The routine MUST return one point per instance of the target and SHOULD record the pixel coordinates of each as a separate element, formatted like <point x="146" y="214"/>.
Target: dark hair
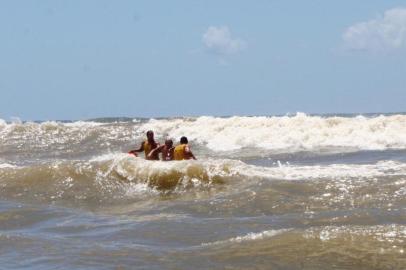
<point x="150" y="132"/>
<point x="183" y="140"/>
<point x="168" y="141"/>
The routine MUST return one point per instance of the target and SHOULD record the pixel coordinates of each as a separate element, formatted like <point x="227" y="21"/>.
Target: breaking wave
<point x="278" y="133"/>
<point x="117" y="176"/>
<point x="300" y="132"/>
<point x="111" y="177"/>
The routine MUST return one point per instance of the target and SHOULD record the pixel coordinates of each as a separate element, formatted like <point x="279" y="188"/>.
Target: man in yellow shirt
<point x="147" y="146"/>
<point x="182" y="151"/>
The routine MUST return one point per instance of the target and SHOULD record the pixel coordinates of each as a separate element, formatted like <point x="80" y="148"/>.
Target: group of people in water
<point x="168" y="152"/>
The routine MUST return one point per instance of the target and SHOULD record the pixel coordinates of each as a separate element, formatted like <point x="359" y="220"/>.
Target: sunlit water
<point x="293" y="192"/>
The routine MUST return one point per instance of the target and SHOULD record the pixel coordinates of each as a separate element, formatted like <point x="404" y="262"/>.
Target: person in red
<point x="147" y="146"/>
<point x="166" y="150"/>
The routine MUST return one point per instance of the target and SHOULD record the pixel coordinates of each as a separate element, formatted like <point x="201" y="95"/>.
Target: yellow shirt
<point x="179" y="152"/>
<point x="147" y="148"/>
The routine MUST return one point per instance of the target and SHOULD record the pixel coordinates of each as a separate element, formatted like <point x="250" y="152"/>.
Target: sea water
<point x="278" y="192"/>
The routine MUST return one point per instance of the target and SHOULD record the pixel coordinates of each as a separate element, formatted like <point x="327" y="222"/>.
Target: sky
<point x="77" y="60"/>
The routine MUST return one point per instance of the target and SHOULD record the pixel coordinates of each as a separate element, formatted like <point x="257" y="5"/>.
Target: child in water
<point x="166" y="150"/>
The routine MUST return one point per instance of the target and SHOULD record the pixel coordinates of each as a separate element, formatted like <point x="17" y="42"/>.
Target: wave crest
<point x="300" y="132"/>
<point x="115" y="177"/>
<point x="111" y="177"/>
<point x="240" y="135"/>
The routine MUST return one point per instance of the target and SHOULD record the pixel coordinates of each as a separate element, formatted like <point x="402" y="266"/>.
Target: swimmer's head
<point x="150" y="135"/>
<point x="169" y="143"/>
<point x="183" y="140"/>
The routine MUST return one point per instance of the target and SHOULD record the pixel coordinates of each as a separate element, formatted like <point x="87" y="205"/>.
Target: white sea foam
<point x="207" y="170"/>
<point x="392" y="233"/>
<point x="248" y="237"/>
<point x="32" y="126"/>
<point x="7" y="165"/>
<point x="122" y="175"/>
<point x="62" y="136"/>
<point x="268" y="134"/>
<point x="334" y="171"/>
<point x="300" y="132"/>
<point x="83" y="124"/>
<point x="138" y="168"/>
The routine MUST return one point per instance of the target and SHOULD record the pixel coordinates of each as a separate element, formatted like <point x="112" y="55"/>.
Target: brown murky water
<point x="70" y="198"/>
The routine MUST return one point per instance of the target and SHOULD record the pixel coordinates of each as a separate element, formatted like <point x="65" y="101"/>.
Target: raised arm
<point x="138" y="150"/>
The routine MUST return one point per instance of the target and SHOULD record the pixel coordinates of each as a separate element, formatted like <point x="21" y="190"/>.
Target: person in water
<point x="166" y="150"/>
<point x="147" y="146"/>
<point x="182" y="151"/>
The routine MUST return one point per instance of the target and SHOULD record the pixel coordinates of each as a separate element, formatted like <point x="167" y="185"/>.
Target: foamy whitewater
<point x="279" y="192"/>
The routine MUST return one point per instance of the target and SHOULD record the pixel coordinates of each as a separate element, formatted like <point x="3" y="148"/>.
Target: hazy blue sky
<point x="85" y="59"/>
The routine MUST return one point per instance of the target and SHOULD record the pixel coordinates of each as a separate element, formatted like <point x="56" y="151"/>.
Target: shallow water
<point x="299" y="192"/>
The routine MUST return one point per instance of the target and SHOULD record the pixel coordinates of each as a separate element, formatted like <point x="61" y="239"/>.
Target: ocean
<point x="266" y="192"/>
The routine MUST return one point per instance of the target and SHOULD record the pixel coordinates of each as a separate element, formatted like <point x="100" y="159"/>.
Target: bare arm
<point x="137" y="150"/>
<point x="189" y="153"/>
<point x="155" y="151"/>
